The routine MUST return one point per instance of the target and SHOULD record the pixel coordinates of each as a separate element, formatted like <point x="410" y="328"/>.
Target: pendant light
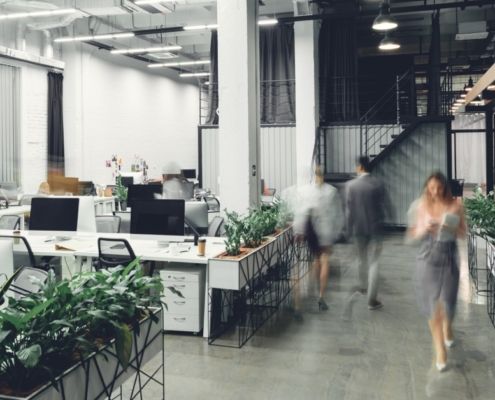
<point x="384" y="21"/>
<point x="470" y="85"/>
<point x="389" y="43"/>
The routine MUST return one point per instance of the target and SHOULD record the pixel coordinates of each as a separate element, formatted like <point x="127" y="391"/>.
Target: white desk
<point x="16" y="210"/>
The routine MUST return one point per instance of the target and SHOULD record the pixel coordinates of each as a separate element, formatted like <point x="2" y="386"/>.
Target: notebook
<point x="451" y="220"/>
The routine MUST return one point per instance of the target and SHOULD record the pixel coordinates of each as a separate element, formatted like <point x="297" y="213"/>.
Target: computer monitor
<point x="189" y="173"/>
<point x="158" y="217"/>
<point x="86" y="220"/>
<point x="54" y="214"/>
<point x="137" y="177"/>
<point x="127" y="180"/>
<point x="196" y="215"/>
<point x="86" y="188"/>
<point x="142" y="192"/>
<point x="9" y="189"/>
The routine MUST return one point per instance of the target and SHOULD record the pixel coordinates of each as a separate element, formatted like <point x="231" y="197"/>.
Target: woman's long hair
<point x="447" y="192"/>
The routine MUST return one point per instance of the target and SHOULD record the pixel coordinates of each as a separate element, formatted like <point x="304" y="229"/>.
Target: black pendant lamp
<point x="470" y="85"/>
<point x="389" y="43"/>
<point x="384" y="21"/>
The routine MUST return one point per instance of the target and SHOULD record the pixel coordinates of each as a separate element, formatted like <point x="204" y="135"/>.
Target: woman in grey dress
<point x="439" y="221"/>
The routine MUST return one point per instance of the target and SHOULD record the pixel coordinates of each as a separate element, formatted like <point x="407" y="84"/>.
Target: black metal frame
<point x="490" y="281"/>
<point x="236" y="315"/>
<point x="473" y="257"/>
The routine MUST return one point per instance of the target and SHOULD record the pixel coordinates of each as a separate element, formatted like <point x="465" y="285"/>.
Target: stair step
<point x="382" y="146"/>
<point x="395" y="136"/>
<point x="372" y="155"/>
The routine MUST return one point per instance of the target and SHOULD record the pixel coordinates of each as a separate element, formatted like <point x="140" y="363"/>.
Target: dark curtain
<point x="434" y="68"/>
<point x="212" y="117"/>
<point x="56" y="155"/>
<point x="277" y="75"/>
<point x="338" y="70"/>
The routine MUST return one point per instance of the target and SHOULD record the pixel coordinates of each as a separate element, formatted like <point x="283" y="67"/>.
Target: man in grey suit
<point x="365" y="213"/>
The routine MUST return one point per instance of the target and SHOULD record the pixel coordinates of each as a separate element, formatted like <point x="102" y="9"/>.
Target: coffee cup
<point x="173" y="248"/>
<point x="16" y="240"/>
<point x="201" y="246"/>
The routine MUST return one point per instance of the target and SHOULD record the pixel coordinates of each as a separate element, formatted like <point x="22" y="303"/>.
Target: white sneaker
<point x="448" y="343"/>
<point x="441" y="367"/>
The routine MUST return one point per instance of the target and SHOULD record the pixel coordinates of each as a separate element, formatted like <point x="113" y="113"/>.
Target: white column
<point x="307" y="118"/>
<point x="238" y="73"/>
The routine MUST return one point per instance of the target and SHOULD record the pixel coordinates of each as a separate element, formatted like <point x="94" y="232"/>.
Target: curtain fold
<point x="9" y="124"/>
<point x="434" y="68"/>
<point x="56" y="154"/>
<point x="277" y="75"/>
<point x="337" y="50"/>
<point x="212" y="116"/>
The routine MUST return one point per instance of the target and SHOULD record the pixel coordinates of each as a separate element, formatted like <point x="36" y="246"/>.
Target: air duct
<point x="20" y="35"/>
<point x="47" y="44"/>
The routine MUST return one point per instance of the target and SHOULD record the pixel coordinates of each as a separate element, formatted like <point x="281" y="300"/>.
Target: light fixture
<point x="186" y="75"/>
<point x="140" y="2"/>
<point x="95" y="37"/>
<point x="491" y="87"/>
<point x="460" y="100"/>
<point x="200" y="27"/>
<point x="147" y="50"/>
<point x="463" y="95"/>
<point x="470" y="85"/>
<point x="271" y="21"/>
<point x="38" y="13"/>
<point x="384" y="21"/>
<point x="389" y="43"/>
<point x="179" y="64"/>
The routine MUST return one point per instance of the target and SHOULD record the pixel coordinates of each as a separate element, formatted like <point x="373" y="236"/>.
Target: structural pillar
<point x="307" y="108"/>
<point x="239" y="104"/>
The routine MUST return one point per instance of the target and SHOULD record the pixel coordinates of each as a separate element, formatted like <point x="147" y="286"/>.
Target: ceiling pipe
<point x="47" y="44"/>
<point x="20" y="35"/>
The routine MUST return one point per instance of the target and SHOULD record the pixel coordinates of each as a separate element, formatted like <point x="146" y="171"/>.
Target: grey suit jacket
<point x="364" y="206"/>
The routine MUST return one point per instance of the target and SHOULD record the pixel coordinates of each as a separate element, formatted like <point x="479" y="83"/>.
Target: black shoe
<point x="322" y="304"/>
<point x="374" y="305"/>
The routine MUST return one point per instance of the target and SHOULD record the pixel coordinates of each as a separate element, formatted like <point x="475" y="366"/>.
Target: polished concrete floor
<point x="347" y="352"/>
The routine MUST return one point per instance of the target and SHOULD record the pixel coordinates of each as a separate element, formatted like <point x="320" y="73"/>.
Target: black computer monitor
<point x="196" y="214"/>
<point x="54" y="214"/>
<point x="158" y="217"/>
<point x="189" y="173"/>
<point x="127" y="180"/>
<point x="142" y="192"/>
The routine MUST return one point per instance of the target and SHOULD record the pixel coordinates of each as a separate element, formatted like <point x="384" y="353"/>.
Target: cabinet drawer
<point x="182" y="322"/>
<point x="178" y="276"/>
<point x="189" y="290"/>
<point x="178" y="305"/>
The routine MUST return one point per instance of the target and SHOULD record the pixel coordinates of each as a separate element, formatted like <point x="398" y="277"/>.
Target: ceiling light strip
<point x="179" y="64"/>
<point x="146" y="50"/>
<point x="187" y="75"/>
<point x="95" y="37"/>
<point x="38" y="13"/>
<point x="140" y="2"/>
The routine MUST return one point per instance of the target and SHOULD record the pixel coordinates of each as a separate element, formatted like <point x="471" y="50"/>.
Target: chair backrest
<point x="187" y="190"/>
<point x="214" y="227"/>
<point x="271" y="192"/>
<point x="114" y="252"/>
<point x="23" y="286"/>
<point x="10" y="222"/>
<point x="213" y="203"/>
<point x="26" y="199"/>
<point x="125" y="221"/>
<point x="23" y="254"/>
<point x="107" y="224"/>
<point x="457" y="187"/>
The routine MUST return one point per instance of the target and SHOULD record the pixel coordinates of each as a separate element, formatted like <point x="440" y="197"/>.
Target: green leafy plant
<point x="254" y="229"/>
<point x="120" y="191"/>
<point x="480" y="214"/>
<point x="47" y="332"/>
<point x="233" y="228"/>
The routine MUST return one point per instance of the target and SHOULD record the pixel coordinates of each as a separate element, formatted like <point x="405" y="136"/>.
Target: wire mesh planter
<point x="490" y="281"/>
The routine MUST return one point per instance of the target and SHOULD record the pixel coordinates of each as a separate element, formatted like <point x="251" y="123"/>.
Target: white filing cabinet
<point x="184" y="313"/>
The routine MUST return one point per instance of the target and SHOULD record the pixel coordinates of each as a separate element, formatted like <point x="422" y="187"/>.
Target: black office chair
<point x="457" y="187"/>
<point x="107" y="224"/>
<point x="26" y="199"/>
<point x="114" y="252"/>
<point x="125" y="221"/>
<point x="271" y="192"/>
<point x="214" y="226"/>
<point x="10" y="222"/>
<point x="212" y="203"/>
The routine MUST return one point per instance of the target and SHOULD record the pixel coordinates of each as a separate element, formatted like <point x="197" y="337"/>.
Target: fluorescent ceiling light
<point x="38" y="13"/>
<point x="460" y="100"/>
<point x="140" y="2"/>
<point x="463" y="94"/>
<point x="272" y="21"/>
<point x="491" y="87"/>
<point x="146" y="50"/>
<point x="195" y="74"/>
<point x="178" y="64"/>
<point x="95" y="37"/>
<point x="199" y="27"/>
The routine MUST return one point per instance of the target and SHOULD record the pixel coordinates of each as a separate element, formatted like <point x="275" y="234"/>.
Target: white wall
<point x="116" y="105"/>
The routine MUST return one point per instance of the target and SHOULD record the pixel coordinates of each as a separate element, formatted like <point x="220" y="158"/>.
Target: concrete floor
<point x="383" y="354"/>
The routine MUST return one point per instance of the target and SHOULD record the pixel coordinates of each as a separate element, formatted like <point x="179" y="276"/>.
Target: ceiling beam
<point x="481" y="85"/>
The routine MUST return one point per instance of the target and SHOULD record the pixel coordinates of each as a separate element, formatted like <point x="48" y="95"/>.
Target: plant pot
<point x="123" y="205"/>
<point x="94" y="376"/>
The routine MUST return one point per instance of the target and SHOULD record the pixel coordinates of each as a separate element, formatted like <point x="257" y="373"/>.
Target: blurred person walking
<point x="319" y="219"/>
<point x="365" y="213"/>
<point x="438" y="221"/>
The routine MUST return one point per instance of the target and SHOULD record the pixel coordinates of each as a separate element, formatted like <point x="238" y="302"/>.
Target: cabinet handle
<point x="179" y="286"/>
<point x="180" y="303"/>
<point x="180" y="319"/>
<point x="179" y="278"/>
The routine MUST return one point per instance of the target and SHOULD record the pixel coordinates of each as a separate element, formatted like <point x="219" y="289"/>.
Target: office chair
<point x="457" y="187"/>
<point x="107" y="224"/>
<point x="214" y="226"/>
<point x="212" y="203"/>
<point x="271" y="192"/>
<point x="125" y="221"/>
<point x="26" y="199"/>
<point x="10" y="222"/>
<point x="114" y="252"/>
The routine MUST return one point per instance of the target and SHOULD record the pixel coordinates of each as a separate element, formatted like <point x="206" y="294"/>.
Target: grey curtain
<point x="9" y="124"/>
<point x="277" y="75"/>
<point x="337" y="51"/>
<point x="212" y="117"/>
<point x="56" y="154"/>
<point x="434" y="68"/>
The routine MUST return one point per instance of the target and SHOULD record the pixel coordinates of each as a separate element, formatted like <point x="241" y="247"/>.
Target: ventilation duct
<point x="47" y="44"/>
<point x="20" y="35"/>
<point x="472" y="30"/>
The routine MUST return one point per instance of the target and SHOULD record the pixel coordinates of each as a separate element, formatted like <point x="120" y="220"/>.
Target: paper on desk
<point x="71" y="245"/>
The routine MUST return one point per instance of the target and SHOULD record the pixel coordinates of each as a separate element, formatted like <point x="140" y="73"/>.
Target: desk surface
<point x="15" y="210"/>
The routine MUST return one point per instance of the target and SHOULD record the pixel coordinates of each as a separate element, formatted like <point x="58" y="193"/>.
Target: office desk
<point x="16" y="210"/>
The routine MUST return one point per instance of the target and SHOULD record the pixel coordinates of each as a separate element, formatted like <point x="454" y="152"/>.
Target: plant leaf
<point x="36" y="310"/>
<point x="131" y="266"/>
<point x="123" y="345"/>
<point x="29" y="356"/>
<point x="13" y="319"/>
<point x="3" y="335"/>
<point x="7" y="284"/>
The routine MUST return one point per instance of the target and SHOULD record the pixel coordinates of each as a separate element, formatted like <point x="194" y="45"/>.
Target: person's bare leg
<point x="324" y="273"/>
<point x="447" y="329"/>
<point x="436" y="326"/>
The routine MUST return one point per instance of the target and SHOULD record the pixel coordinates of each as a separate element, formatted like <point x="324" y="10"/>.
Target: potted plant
<point x="56" y="335"/>
<point x="121" y="194"/>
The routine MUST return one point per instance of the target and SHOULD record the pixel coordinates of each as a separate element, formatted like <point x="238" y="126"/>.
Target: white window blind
<point x="9" y="124"/>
